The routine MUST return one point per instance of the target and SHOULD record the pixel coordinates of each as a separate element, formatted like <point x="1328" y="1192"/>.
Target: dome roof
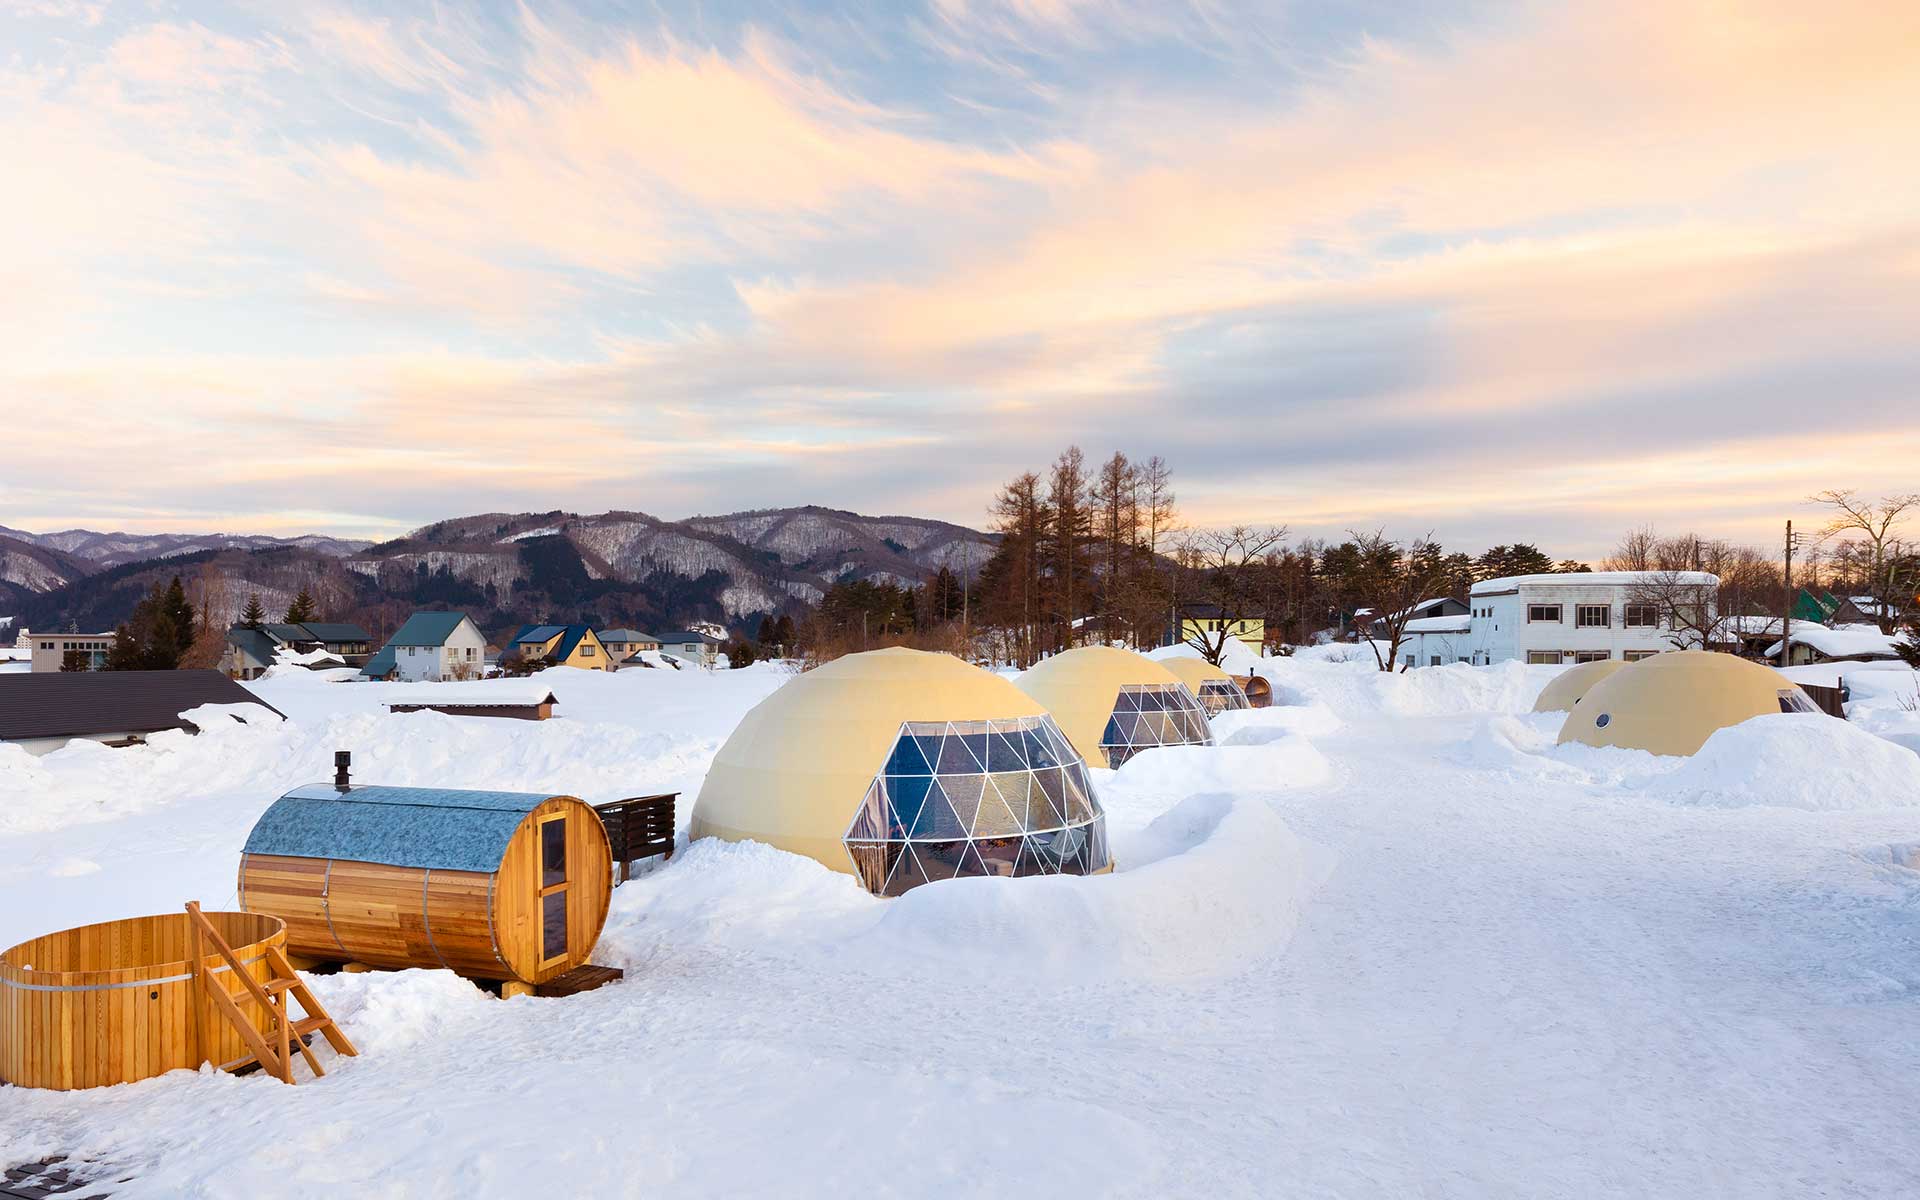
<point x="1673" y="702"/>
<point x="1193" y="671"/>
<point x="1084" y="688"/>
<point x="826" y="763"/>
<point x="1571" y="684"/>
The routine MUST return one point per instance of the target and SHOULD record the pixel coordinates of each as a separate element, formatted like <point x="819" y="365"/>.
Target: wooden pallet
<point x="583" y="978"/>
<point x="273" y="1047"/>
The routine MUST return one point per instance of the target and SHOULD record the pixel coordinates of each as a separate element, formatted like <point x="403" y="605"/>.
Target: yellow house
<point x="561" y="646"/>
<point x="1204" y="625"/>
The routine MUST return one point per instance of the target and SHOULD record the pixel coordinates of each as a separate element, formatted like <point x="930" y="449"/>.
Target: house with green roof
<point x="431" y="645"/>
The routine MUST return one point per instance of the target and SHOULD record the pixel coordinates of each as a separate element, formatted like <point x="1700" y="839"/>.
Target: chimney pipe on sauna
<point x="342" y="759"/>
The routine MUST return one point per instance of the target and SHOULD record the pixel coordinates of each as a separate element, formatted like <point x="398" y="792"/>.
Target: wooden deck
<point x="583" y="978"/>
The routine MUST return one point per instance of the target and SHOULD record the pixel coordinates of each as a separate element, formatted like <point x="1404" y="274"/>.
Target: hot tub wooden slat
<point x="72" y="1017"/>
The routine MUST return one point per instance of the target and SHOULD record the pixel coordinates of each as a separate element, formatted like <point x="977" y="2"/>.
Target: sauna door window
<point x="553" y="888"/>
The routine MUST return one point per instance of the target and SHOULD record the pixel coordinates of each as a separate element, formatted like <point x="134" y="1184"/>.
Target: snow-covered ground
<point x="1387" y="939"/>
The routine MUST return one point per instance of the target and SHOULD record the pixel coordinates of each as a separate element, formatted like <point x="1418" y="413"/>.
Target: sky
<point x="1495" y="271"/>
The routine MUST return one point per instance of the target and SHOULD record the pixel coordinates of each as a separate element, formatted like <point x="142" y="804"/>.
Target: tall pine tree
<point x="255" y="616"/>
<point x="301" y="610"/>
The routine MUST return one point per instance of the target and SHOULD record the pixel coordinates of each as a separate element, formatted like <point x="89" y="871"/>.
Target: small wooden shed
<point x="524" y="706"/>
<point x="509" y="886"/>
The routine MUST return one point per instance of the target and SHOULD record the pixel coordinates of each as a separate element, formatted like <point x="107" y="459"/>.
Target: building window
<point x="1641" y="616"/>
<point x="1543" y="612"/>
<point x="1543" y="658"/>
<point x="1587" y="656"/>
<point x="1433" y="660"/>
<point x="1637" y="655"/>
<point x="1593" y="616"/>
<point x="586" y="652"/>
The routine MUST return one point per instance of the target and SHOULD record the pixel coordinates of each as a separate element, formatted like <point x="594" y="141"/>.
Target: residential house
<point x="560" y="646"/>
<point x="1439" y="606"/>
<point x="1560" y="618"/>
<point x="691" y="645"/>
<point x="1825" y="608"/>
<point x="50" y="650"/>
<point x="42" y="713"/>
<point x="252" y="649"/>
<point x="623" y="644"/>
<point x="1203" y="623"/>
<point x="431" y="645"/>
<point x="1856" y="643"/>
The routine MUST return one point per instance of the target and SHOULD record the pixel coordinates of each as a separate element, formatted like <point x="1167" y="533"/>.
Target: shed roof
<point x="427" y="629"/>
<point x="78" y="703"/>
<point x="443" y="829"/>
<point x="537" y="633"/>
<point x="253" y="642"/>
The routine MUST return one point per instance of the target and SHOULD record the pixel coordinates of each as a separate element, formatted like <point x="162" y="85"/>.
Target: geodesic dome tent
<point x="1216" y="690"/>
<point x="1673" y="702"/>
<point x="902" y="767"/>
<point x="1569" y="685"/>
<point x="1113" y="703"/>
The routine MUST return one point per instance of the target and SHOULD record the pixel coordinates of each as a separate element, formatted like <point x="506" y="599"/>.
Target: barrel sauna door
<point x="556" y="886"/>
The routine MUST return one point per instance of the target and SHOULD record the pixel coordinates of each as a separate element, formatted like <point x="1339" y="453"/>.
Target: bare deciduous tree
<point x="1225" y="576"/>
<point x="1394" y="580"/>
<point x="1875" y="529"/>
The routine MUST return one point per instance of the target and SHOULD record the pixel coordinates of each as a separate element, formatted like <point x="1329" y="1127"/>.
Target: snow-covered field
<point x="1386" y="940"/>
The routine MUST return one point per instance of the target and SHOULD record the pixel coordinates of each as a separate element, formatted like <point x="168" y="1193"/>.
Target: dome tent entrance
<point x="902" y="767"/>
<point x="1113" y="703"/>
<point x="1673" y="702"/>
<point x="1216" y="690"/>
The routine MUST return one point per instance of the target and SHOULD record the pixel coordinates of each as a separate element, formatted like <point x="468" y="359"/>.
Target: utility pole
<point x="1786" y="618"/>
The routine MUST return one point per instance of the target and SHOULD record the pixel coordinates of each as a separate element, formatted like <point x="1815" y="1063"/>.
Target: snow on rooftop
<point x="1456" y="624"/>
<point x="1844" y="643"/>
<point x="1582" y="578"/>
<point x="469" y="694"/>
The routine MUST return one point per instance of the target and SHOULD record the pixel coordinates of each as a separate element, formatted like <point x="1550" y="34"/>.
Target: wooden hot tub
<point x="116" y="1002"/>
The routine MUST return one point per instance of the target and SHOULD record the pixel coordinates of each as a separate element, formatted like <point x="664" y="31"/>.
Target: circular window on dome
<point x="957" y="798"/>
<point x="1603" y="720"/>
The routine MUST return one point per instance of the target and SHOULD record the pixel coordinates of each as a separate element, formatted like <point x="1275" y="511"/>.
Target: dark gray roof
<point x="537" y="633"/>
<point x="287" y="632"/>
<point x="427" y="629"/>
<point x="78" y="703"/>
<point x="379" y="664"/>
<point x="688" y="635"/>
<point x="623" y="636"/>
<point x="254" y="641"/>
<point x="440" y="828"/>
<point x="338" y="631"/>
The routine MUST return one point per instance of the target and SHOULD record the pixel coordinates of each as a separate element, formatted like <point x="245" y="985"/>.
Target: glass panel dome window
<point x="1146" y="715"/>
<point x="1221" y="695"/>
<point x="957" y="798"/>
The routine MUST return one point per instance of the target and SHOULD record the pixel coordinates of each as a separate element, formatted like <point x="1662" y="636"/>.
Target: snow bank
<point x="1236" y="657"/>
<point x="1359" y="688"/>
<point x="1797" y="761"/>
<point x="1254" y="726"/>
<point x="1277" y="762"/>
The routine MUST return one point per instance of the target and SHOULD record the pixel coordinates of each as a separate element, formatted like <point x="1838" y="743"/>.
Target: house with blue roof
<point x="431" y="645"/>
<point x="542" y="646"/>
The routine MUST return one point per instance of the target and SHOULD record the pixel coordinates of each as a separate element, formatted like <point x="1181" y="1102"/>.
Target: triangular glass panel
<point x="1042" y="747"/>
<point x="1115" y="734"/>
<point x="996" y="818"/>
<point x="869" y="863"/>
<point x="906" y="796"/>
<point x="1004" y="755"/>
<point x="907" y="759"/>
<point x="1043" y="802"/>
<point x="936" y="819"/>
<point x="954" y="759"/>
<point x="963" y="792"/>
<point x="997" y="855"/>
<point x="906" y="873"/>
<point x="939" y="860"/>
<point x="869" y="821"/>
<point x="970" y="862"/>
<point x="1026" y="863"/>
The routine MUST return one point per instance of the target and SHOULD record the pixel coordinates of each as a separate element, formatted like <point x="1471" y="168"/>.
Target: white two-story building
<point x="1570" y="618"/>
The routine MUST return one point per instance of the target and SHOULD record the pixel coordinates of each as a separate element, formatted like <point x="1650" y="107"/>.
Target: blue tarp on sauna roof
<point x="441" y="828"/>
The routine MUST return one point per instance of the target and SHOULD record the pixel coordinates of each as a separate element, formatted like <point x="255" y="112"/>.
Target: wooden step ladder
<point x="272" y="1048"/>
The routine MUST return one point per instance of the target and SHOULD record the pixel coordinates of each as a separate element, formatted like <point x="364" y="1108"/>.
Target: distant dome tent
<point x="1569" y="685"/>
<point x="1672" y="703"/>
<point x="1113" y="703"/>
<point x="1215" y="689"/>
<point x="900" y="768"/>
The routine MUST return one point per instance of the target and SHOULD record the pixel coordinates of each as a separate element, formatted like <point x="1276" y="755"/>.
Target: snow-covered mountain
<point x="29" y="569"/>
<point x="116" y="549"/>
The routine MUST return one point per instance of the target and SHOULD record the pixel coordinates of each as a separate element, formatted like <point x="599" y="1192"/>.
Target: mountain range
<point x="505" y="568"/>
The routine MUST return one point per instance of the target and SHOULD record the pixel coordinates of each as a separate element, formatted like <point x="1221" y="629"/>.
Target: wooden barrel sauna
<point x="1259" y="691"/>
<point x="508" y="886"/>
<point x="116" y="1002"/>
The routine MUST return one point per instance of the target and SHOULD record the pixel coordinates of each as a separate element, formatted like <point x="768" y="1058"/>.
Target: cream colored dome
<point x="1216" y="690"/>
<point x="1569" y="685"/>
<point x="1113" y="703"/>
<point x="1672" y="703"/>
<point x="900" y="767"/>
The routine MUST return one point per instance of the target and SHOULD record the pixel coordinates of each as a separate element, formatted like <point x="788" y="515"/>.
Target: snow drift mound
<point x="1794" y="760"/>
<point x="1352" y="689"/>
<point x="1258" y="726"/>
<point x="1215" y="883"/>
<point x="1263" y="764"/>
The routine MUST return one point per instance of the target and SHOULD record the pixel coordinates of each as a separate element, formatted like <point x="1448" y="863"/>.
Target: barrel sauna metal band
<point x="108" y="987"/>
<point x="326" y="906"/>
<point x="493" y="941"/>
<point x="426" y="918"/>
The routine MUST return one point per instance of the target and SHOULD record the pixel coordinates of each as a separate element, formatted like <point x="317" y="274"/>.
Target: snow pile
<point x="1355" y="689"/>
<point x="1236" y="657"/>
<point x="1254" y="726"/>
<point x="1796" y="760"/>
<point x="1273" y="763"/>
